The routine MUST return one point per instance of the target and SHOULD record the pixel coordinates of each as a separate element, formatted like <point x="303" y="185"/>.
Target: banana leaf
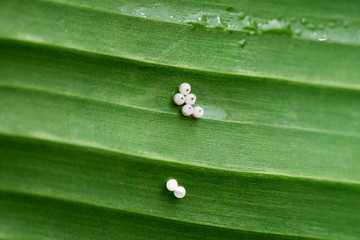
<point x="89" y="133"/>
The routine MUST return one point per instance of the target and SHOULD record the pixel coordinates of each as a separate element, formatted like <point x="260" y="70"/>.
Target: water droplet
<point x="276" y="26"/>
<point x="297" y="31"/>
<point x="241" y="15"/>
<point x="323" y="38"/>
<point x="242" y="42"/>
<point x="197" y="19"/>
<point x="249" y="24"/>
<point x="213" y="21"/>
<point x="314" y="35"/>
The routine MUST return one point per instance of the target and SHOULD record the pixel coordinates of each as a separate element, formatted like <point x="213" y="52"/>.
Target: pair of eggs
<point x="189" y="99"/>
<point x="179" y="191"/>
<point x="188" y="110"/>
<point x="180" y="99"/>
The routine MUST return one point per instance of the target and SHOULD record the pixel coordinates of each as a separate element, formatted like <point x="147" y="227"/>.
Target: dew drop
<point x="276" y="26"/>
<point x="241" y="15"/>
<point x="297" y="31"/>
<point x="249" y="24"/>
<point x="197" y="19"/>
<point x="323" y="38"/>
<point x="242" y="42"/>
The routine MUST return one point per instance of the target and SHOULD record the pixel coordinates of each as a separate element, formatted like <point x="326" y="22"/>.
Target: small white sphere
<point x="198" y="112"/>
<point x="185" y="88"/>
<point x="171" y="184"/>
<point x="187" y="110"/>
<point x="180" y="192"/>
<point x="190" y="99"/>
<point x="179" y="99"/>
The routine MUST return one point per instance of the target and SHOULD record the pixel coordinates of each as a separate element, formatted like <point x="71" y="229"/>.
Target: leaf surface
<point x="89" y="134"/>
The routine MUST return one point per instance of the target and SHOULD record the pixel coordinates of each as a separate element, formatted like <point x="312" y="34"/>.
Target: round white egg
<point x="180" y="192"/>
<point x="187" y="110"/>
<point x="179" y="99"/>
<point x="185" y="88"/>
<point x="198" y="112"/>
<point x="190" y="99"/>
<point x="171" y="184"/>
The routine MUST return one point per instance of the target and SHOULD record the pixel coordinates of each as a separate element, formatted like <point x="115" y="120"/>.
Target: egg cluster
<point x="172" y="185"/>
<point x="189" y="99"/>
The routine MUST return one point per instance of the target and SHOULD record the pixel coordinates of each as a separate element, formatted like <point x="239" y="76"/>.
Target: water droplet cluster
<point x="231" y="19"/>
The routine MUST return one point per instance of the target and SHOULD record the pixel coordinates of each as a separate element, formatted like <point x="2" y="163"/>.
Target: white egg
<point x="171" y="184"/>
<point x="179" y="99"/>
<point x="185" y="88"/>
<point x="180" y="192"/>
<point x="190" y="99"/>
<point x="198" y="112"/>
<point x="187" y="110"/>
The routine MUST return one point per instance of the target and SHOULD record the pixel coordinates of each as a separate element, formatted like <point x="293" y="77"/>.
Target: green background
<point x="89" y="134"/>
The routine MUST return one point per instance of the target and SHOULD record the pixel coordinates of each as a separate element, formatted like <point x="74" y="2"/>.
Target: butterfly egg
<point x="185" y="88"/>
<point x="198" y="112"/>
<point x="171" y="184"/>
<point x="180" y="192"/>
<point x="190" y="99"/>
<point x="187" y="110"/>
<point x="179" y="99"/>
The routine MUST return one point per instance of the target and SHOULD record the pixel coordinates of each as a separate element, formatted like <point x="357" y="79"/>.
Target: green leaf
<point x="89" y="134"/>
